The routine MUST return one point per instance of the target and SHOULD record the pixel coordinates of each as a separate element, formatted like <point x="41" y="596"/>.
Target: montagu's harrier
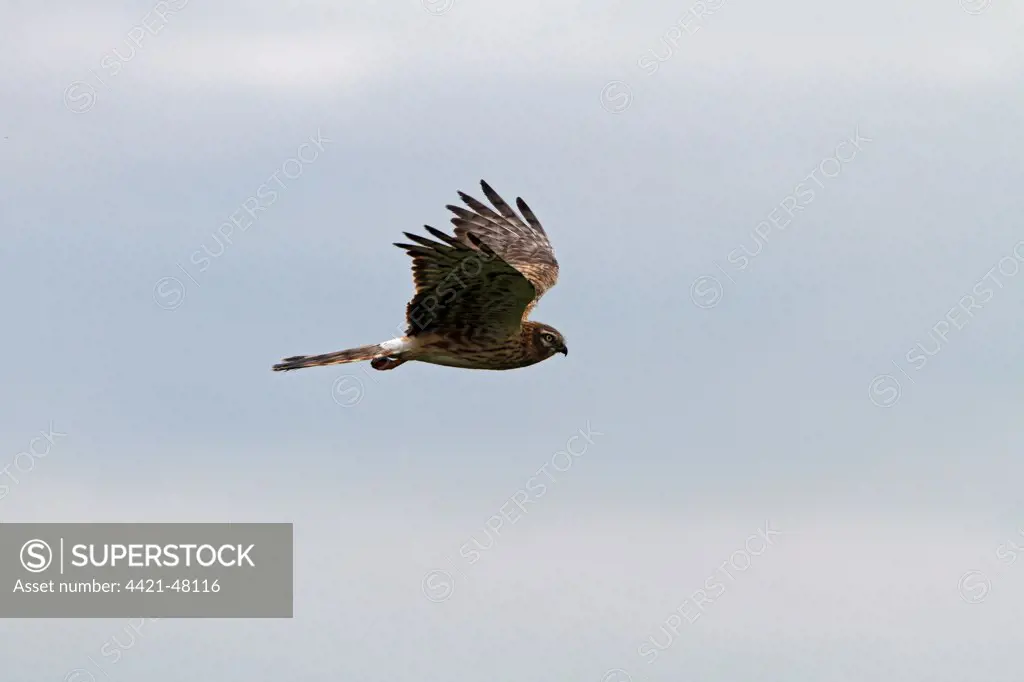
<point x="474" y="292"/>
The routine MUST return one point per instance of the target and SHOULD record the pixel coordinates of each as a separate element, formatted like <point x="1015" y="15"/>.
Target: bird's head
<point x="549" y="340"/>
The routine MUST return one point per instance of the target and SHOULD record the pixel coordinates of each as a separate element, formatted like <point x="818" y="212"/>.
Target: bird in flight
<point x="474" y="293"/>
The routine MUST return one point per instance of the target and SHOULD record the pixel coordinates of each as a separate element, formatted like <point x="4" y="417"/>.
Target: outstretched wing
<point x="522" y="244"/>
<point x="464" y="289"/>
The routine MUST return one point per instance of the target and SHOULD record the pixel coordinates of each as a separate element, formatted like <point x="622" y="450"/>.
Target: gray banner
<point x="145" y="570"/>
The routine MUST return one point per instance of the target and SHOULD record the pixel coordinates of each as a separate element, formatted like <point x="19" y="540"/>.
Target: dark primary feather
<point x="523" y="245"/>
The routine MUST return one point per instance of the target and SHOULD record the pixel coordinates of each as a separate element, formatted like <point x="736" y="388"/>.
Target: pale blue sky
<point x="712" y="420"/>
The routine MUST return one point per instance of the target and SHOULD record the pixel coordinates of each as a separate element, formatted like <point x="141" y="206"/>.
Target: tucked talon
<point x="385" y="362"/>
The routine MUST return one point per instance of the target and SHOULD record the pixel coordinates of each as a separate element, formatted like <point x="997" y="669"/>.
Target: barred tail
<point x="342" y="356"/>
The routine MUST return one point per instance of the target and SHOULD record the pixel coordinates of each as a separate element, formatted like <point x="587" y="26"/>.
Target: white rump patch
<point x="394" y="345"/>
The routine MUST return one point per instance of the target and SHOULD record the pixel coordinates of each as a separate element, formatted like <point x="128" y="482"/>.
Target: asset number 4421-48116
<point x="179" y="585"/>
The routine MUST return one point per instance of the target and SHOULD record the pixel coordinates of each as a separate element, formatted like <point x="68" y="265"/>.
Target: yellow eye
<point x="549" y="338"/>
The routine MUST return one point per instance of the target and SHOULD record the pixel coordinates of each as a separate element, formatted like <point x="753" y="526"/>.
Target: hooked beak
<point x="565" y="351"/>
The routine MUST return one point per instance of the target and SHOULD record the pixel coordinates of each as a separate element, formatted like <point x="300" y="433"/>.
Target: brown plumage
<point x="474" y="292"/>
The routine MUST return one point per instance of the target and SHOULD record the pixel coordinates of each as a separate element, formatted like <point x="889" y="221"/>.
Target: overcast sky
<point x="789" y="236"/>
